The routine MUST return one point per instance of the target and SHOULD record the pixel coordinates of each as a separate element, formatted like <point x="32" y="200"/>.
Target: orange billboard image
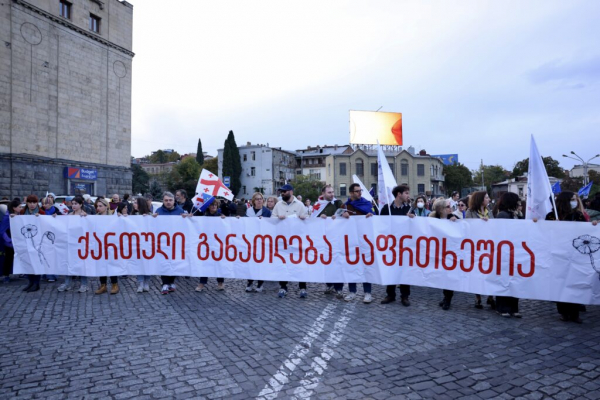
<point x="368" y="127"/>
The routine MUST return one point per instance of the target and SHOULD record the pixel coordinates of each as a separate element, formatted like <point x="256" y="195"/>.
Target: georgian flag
<point x="202" y="201"/>
<point x="210" y="184"/>
<point x="320" y="205"/>
<point x="64" y="210"/>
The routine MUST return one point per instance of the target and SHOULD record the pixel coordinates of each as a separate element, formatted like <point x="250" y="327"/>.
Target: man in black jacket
<point x="182" y="201"/>
<point x="400" y="206"/>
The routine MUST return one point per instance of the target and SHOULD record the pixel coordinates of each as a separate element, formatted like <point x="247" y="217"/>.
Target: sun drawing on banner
<point x="586" y="244"/>
<point x="29" y="232"/>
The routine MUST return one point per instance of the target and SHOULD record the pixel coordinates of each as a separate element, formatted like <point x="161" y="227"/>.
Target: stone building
<point x="421" y="172"/>
<point x="65" y="96"/>
<point x="311" y="161"/>
<point x="263" y="167"/>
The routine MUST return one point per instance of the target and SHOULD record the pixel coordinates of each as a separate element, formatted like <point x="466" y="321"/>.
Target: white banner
<point x="546" y="260"/>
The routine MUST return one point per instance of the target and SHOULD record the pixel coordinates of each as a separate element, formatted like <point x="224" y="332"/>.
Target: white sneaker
<point x="339" y="294"/>
<point x="64" y="287"/>
<point x="350" y="296"/>
<point x="367" y="298"/>
<point x="249" y="289"/>
<point x="83" y="289"/>
<point x="146" y="287"/>
<point x="172" y="287"/>
<point x="140" y="288"/>
<point x="259" y="289"/>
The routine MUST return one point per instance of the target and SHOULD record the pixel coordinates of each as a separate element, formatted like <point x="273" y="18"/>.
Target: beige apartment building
<point x="420" y="171"/>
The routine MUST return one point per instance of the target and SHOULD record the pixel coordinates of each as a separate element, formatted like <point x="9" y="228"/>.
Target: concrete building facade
<point x="65" y="96"/>
<point x="263" y="167"/>
<point x="421" y="172"/>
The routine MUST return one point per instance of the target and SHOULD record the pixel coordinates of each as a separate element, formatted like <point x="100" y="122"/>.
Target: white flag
<point x="385" y="180"/>
<point x="365" y="193"/>
<point x="210" y="184"/>
<point x="539" y="191"/>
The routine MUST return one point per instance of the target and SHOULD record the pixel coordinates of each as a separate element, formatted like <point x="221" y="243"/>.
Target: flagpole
<point x="387" y="192"/>
<point x="553" y="201"/>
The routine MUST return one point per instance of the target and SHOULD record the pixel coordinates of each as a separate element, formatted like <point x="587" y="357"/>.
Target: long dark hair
<point x="142" y="205"/>
<point x="563" y="205"/>
<point x="12" y="205"/>
<point x="509" y="202"/>
<point x="476" y="201"/>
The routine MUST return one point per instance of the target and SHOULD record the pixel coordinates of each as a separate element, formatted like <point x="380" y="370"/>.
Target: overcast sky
<point x="470" y="77"/>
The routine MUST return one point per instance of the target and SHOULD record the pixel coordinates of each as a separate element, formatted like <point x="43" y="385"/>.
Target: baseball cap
<point x="286" y="187"/>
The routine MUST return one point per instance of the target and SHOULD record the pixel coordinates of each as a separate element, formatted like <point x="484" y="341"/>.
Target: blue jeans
<point x="141" y="279"/>
<point x="69" y="280"/>
<point x="51" y="277"/>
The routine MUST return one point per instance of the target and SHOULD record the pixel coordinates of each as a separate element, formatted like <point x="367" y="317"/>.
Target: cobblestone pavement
<point x="236" y="345"/>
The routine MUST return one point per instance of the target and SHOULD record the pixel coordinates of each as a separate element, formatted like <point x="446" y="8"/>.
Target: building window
<point x="253" y="155"/>
<point x="374" y="171"/>
<point x="404" y="168"/>
<point x="94" y="23"/>
<point x="421" y="169"/>
<point x="299" y="172"/>
<point x="65" y="9"/>
<point x="252" y="171"/>
<point x="421" y="188"/>
<point x="315" y="174"/>
<point x="244" y="189"/>
<point x="342" y="189"/>
<point x="245" y="158"/>
<point x="328" y="169"/>
<point x="281" y="175"/>
<point x="360" y="167"/>
<point x="343" y="168"/>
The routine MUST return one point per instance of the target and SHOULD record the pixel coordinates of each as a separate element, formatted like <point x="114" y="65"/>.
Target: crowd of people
<point x="478" y="205"/>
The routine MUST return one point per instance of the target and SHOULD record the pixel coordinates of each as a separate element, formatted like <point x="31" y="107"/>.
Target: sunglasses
<point x="358" y="191"/>
<point x="462" y="205"/>
<point x="284" y="191"/>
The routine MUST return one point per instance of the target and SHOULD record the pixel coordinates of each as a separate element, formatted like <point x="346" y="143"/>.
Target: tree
<point x="307" y="187"/>
<point x="232" y="165"/>
<point x="160" y="157"/>
<point x="457" y="177"/>
<point x="552" y="168"/>
<point x="155" y="190"/>
<point x="184" y="176"/>
<point x="491" y="174"/>
<point x="140" y="179"/>
<point x="212" y="165"/>
<point x="199" y="153"/>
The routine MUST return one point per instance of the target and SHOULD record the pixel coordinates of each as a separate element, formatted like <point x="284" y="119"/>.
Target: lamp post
<point x="584" y="164"/>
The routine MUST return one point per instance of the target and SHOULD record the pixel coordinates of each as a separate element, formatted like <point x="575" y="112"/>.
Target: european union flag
<point x="556" y="188"/>
<point x="585" y="191"/>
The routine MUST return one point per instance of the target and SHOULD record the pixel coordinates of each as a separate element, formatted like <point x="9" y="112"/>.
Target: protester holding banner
<point x="260" y="211"/>
<point x="289" y="207"/>
<point x="400" y="206"/>
<point x="271" y="201"/>
<point x="508" y="209"/>
<point x="77" y="206"/>
<point x="581" y="208"/>
<point x="168" y="208"/>
<point x="355" y="206"/>
<point x="594" y="209"/>
<point x="327" y="206"/>
<point x="140" y="207"/>
<point x="478" y="209"/>
<point x="213" y="211"/>
<point x="49" y="209"/>
<point x="418" y="208"/>
<point x="567" y="208"/>
<point x="13" y="208"/>
<point x="461" y="212"/>
<point x="103" y="208"/>
<point x="443" y="210"/>
<point x="32" y="208"/>
<point x="123" y="209"/>
<point x="183" y="201"/>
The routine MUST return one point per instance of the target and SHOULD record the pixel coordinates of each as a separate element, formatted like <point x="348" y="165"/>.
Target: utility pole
<point x="584" y="164"/>
<point x="482" y="181"/>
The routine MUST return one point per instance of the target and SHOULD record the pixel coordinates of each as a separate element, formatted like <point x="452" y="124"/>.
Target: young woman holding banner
<point x="478" y="208"/>
<point x="77" y="206"/>
<point x="257" y="210"/>
<point x="140" y="207"/>
<point x="567" y="208"/>
<point x="102" y="208"/>
<point x="443" y="210"/>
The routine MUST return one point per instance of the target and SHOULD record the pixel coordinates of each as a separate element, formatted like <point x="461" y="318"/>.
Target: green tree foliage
<point x="140" y="180"/>
<point x="199" y="153"/>
<point x="491" y="174"/>
<point x="307" y="187"/>
<point x="232" y="165"/>
<point x="184" y="176"/>
<point x="457" y="177"/>
<point x="156" y="190"/>
<point x="212" y="165"/>
<point x="160" y="157"/>
<point x="552" y="168"/>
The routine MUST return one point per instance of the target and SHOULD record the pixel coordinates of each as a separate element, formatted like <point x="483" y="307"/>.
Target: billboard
<point x="448" y="159"/>
<point x="367" y="127"/>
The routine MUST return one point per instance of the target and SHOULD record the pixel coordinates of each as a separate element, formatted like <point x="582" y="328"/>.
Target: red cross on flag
<point x="62" y="207"/>
<point x="210" y="184"/>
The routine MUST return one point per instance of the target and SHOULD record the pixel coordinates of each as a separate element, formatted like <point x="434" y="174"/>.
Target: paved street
<point x="235" y="345"/>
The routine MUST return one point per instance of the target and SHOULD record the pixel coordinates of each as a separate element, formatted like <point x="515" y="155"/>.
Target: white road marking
<point x="319" y="363"/>
<point x="280" y="378"/>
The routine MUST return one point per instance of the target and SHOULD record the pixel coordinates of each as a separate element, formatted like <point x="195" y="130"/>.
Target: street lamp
<point x="584" y="164"/>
